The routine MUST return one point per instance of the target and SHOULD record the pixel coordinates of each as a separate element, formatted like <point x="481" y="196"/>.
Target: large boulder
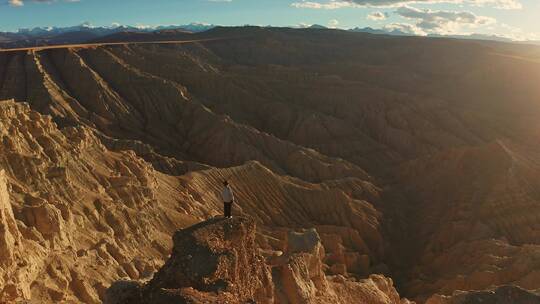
<point x="299" y="274"/>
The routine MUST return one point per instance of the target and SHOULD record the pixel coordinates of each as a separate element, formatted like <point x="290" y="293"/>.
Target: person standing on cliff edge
<point x="228" y="199"/>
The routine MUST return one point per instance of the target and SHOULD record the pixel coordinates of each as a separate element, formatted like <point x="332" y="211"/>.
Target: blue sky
<point x="519" y="19"/>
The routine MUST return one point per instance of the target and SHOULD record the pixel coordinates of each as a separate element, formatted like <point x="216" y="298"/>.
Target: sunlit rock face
<point x="219" y="261"/>
<point x="423" y="171"/>
<point x="213" y="261"/>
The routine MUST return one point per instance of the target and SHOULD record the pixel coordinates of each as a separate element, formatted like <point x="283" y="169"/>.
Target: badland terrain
<point x="367" y="169"/>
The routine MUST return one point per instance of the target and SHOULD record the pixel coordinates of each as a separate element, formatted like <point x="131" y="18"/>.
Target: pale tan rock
<point x="213" y="260"/>
<point x="10" y="238"/>
<point x="46" y="218"/>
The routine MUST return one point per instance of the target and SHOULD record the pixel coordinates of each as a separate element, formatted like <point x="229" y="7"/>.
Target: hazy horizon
<point x="514" y="19"/>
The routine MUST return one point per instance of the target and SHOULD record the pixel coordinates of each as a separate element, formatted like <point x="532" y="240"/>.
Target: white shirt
<point x="227" y="195"/>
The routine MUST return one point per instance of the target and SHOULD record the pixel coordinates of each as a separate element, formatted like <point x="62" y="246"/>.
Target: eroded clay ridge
<point x="77" y="216"/>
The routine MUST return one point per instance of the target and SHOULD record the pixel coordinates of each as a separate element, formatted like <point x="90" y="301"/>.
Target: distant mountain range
<point x="106" y="30"/>
<point x="396" y="32"/>
<point x="87" y="33"/>
<point x="474" y="36"/>
<point x="83" y="33"/>
<point x="380" y="31"/>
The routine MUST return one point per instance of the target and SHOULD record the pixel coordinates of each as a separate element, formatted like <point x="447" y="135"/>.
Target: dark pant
<point x="227" y="209"/>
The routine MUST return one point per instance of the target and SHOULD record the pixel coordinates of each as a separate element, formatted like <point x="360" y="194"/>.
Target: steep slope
<point x="489" y="225"/>
<point x="131" y="104"/>
<point x="84" y="215"/>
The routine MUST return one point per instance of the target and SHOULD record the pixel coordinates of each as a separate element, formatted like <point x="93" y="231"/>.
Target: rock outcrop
<point x="68" y="221"/>
<point x="219" y="261"/>
<point x="299" y="274"/>
<point x="10" y="246"/>
<point x="212" y="262"/>
<point x="10" y="237"/>
<point x="216" y="256"/>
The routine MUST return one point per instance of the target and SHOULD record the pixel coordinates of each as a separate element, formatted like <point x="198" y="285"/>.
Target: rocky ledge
<point x="219" y="261"/>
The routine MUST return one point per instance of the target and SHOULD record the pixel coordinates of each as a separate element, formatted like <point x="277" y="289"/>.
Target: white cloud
<point x="336" y="4"/>
<point x="443" y="22"/>
<point x="377" y="16"/>
<point x="515" y="33"/>
<point x="333" y="23"/>
<point x="16" y="2"/>
<point x="328" y="5"/>
<point x="405" y="28"/>
<point x="19" y="3"/>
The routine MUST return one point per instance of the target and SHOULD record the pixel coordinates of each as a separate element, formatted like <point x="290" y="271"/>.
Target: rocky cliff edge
<point x="219" y="261"/>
